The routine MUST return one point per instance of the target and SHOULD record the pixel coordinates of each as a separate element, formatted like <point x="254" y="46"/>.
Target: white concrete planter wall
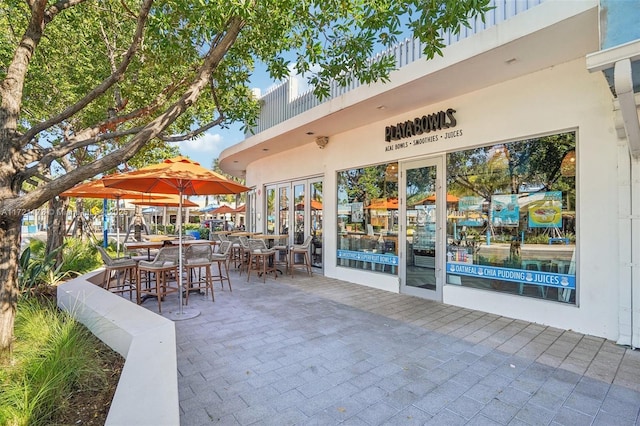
<point x="147" y="393"/>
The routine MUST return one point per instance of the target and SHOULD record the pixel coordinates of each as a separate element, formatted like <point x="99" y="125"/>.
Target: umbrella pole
<point x="179" y="224"/>
<point x="117" y="227"/>
<point x="182" y="314"/>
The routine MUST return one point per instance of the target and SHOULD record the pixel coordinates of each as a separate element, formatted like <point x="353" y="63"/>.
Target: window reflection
<point x="511" y="217"/>
<point x="368" y="218"/>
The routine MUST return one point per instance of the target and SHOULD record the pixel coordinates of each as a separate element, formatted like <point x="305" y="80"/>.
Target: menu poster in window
<point x="357" y="212"/>
<point x="471" y="207"/>
<point x="425" y="214"/>
<point x="545" y="209"/>
<point x="504" y="210"/>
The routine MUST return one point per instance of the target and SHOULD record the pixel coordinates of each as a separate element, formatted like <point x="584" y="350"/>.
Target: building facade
<point x="502" y="176"/>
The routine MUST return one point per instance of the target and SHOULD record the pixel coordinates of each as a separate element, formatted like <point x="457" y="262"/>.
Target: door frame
<point x="441" y="217"/>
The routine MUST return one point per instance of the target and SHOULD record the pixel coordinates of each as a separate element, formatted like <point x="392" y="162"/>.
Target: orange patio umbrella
<point x="162" y="200"/>
<point x="223" y="210"/>
<point x="241" y="209"/>
<point x="431" y="198"/>
<point x="182" y="176"/>
<point x="97" y="189"/>
<point x="383" y="204"/>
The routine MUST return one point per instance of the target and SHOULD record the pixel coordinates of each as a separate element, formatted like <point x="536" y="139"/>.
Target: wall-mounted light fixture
<point x="322" y="141"/>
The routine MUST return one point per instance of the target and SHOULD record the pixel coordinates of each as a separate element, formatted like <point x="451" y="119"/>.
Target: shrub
<point x="53" y="357"/>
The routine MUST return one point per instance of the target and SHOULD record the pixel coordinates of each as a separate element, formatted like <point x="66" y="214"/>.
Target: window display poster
<point x="545" y="209"/>
<point x="357" y="212"/>
<point x="505" y="210"/>
<point x="472" y="209"/>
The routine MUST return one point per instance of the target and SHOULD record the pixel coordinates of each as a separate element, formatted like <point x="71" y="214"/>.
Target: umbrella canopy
<point x="431" y="198"/>
<point x="383" y="204"/>
<point x="96" y="189"/>
<point x="223" y="210"/>
<point x="178" y="175"/>
<point x="162" y="200"/>
<point x="182" y="176"/>
<point x="241" y="209"/>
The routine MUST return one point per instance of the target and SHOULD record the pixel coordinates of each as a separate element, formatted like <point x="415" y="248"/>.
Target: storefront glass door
<point x="421" y="205"/>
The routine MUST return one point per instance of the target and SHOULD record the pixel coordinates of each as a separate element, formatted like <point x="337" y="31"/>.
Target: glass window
<point x="270" y="216"/>
<point x="283" y="205"/>
<point x="511" y="218"/>
<point x="368" y="218"/>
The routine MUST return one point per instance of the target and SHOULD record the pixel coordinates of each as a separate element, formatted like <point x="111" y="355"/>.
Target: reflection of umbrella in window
<point x="432" y="198"/>
<point x="383" y="204"/>
<point x="180" y="176"/>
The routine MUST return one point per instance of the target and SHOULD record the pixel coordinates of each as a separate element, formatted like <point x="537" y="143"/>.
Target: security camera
<point x="322" y="141"/>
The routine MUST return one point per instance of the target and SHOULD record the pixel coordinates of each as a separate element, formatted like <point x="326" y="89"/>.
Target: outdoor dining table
<point x="135" y="245"/>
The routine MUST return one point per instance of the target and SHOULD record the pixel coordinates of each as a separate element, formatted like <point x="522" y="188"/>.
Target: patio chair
<point x="282" y="252"/>
<point x="196" y="259"/>
<point x="300" y="249"/>
<point x="261" y="259"/>
<point x="123" y="269"/>
<point x="221" y="257"/>
<point x="242" y="253"/>
<point x="160" y="271"/>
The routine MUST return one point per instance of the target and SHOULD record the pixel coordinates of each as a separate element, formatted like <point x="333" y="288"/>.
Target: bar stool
<point x="302" y="249"/>
<point x="122" y="269"/>
<point x="163" y="269"/>
<point x="282" y="252"/>
<point x="221" y="257"/>
<point x="261" y="259"/>
<point x="198" y="257"/>
<point x="241" y="253"/>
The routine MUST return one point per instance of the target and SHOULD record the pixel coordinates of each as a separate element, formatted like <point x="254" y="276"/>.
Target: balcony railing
<point x="284" y="102"/>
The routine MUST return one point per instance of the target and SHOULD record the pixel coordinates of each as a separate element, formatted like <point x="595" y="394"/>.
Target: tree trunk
<point x="10" y="236"/>
<point x="56" y="226"/>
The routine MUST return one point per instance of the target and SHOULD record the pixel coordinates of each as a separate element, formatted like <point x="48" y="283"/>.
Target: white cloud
<point x="208" y="143"/>
<point x="203" y="149"/>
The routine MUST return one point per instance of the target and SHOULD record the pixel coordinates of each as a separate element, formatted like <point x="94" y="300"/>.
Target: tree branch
<point x="211" y="61"/>
<point x="102" y="87"/>
<point x="192" y="134"/>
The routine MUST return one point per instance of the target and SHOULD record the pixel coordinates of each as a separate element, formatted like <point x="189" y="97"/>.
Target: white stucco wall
<point x="564" y="97"/>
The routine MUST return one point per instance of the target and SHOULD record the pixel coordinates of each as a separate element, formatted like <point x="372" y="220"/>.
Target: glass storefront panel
<point x="511" y="218"/>
<point x="316" y="222"/>
<point x="298" y="213"/>
<point x="270" y="216"/>
<point x="367" y="219"/>
<point x="283" y="206"/>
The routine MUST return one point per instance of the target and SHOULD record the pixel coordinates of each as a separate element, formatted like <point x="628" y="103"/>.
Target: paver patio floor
<point x="318" y="351"/>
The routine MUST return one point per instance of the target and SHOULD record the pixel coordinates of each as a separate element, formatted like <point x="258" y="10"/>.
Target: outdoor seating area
<point x="203" y="264"/>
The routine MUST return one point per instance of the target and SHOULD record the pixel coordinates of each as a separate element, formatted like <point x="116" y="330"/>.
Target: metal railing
<point x="284" y="102"/>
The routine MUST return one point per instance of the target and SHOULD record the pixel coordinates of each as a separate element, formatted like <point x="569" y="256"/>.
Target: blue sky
<point x="209" y="146"/>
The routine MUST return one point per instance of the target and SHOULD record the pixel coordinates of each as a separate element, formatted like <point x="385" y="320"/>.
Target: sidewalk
<point x="318" y="351"/>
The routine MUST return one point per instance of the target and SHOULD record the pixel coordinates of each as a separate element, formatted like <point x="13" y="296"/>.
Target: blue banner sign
<point x="549" y="279"/>
<point x="382" y="259"/>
